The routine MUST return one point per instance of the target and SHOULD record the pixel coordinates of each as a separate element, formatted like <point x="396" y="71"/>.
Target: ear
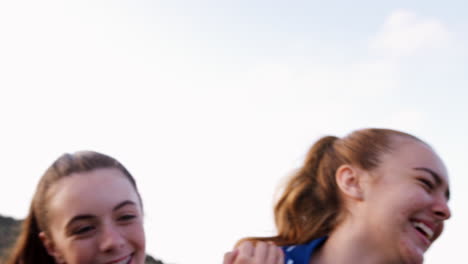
<point x="348" y="179"/>
<point x="51" y="248"/>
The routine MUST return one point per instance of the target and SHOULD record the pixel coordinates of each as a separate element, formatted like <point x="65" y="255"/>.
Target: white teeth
<point x="426" y="230"/>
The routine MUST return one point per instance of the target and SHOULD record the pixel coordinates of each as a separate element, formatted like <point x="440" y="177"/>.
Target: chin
<point x="412" y="260"/>
<point x="411" y="254"/>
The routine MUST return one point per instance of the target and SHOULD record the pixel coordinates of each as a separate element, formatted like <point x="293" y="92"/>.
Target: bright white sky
<point x="211" y="103"/>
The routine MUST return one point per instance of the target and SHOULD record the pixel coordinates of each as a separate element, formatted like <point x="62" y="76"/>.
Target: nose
<point x="111" y="238"/>
<point x="441" y="208"/>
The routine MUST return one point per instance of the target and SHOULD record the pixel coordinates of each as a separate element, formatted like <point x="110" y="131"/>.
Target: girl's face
<point x="95" y="217"/>
<point x="406" y="201"/>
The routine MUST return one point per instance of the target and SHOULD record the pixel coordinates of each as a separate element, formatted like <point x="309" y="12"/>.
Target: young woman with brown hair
<point x="374" y="196"/>
<point x="86" y="209"/>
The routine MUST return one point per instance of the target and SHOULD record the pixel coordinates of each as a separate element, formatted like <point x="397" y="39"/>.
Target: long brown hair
<point x="29" y="248"/>
<point x="310" y="205"/>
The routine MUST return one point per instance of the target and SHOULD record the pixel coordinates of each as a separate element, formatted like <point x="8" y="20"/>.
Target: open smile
<point x="425" y="231"/>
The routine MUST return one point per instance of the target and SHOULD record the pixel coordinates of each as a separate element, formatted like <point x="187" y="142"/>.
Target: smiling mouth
<point x="422" y="228"/>
<point x="126" y="260"/>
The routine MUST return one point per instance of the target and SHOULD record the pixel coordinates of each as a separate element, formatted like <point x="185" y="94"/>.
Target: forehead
<point x="411" y="154"/>
<point x="94" y="192"/>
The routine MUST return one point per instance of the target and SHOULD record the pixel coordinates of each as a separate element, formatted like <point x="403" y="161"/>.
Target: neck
<point x="349" y="243"/>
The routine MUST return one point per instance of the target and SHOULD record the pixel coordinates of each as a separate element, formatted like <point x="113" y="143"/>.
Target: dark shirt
<point x="301" y="254"/>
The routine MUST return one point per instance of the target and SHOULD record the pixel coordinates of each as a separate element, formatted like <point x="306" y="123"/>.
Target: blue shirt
<point x="301" y="254"/>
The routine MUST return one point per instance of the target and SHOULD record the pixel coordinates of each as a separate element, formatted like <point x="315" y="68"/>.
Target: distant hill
<point x="9" y="230"/>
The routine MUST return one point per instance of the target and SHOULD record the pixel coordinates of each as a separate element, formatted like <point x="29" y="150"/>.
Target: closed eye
<point x="427" y="184"/>
<point x="83" y="230"/>
<point x="126" y="217"/>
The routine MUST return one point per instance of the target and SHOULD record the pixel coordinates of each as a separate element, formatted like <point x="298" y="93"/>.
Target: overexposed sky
<point x="210" y="104"/>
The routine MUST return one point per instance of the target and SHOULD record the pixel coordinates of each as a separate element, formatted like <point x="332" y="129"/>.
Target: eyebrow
<point x="436" y="177"/>
<point x="90" y="216"/>
<point x="124" y="203"/>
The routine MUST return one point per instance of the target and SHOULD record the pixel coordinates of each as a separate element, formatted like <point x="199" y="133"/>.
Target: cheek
<point x="136" y="238"/>
<point x="418" y="200"/>
<point x="80" y="251"/>
<point x="139" y="237"/>
<point x="408" y="200"/>
<point x="395" y="208"/>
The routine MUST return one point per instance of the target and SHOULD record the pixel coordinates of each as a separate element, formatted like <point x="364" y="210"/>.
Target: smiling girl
<point x="374" y="196"/>
<point x="86" y="210"/>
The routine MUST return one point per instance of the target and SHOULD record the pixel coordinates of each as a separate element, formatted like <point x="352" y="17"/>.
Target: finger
<point x="229" y="257"/>
<point x="273" y="254"/>
<point x="246" y="249"/>
<point x="261" y="252"/>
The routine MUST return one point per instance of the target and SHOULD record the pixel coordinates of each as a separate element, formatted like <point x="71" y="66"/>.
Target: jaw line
<point x="411" y="251"/>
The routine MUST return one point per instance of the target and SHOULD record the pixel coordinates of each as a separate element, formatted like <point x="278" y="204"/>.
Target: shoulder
<point x="301" y="254"/>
